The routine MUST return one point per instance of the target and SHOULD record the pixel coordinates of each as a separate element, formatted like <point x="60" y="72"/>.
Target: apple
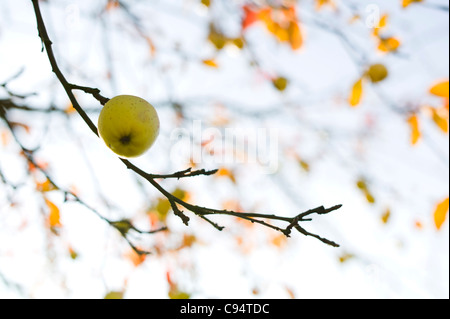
<point x="128" y="125"/>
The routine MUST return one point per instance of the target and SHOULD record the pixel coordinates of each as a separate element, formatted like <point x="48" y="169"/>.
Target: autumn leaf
<point x="73" y="254"/>
<point x="413" y="122"/>
<point x="345" y="257"/>
<point x="250" y="16"/>
<point x="46" y="186"/>
<point x="112" y="4"/>
<point x="174" y="291"/>
<point x="386" y="216"/>
<point x="304" y="165"/>
<point x="162" y="209"/>
<point x="362" y="185"/>
<point x="114" y="295"/>
<point x="218" y="39"/>
<point x="406" y="3"/>
<point x="440" y="117"/>
<point x="279" y="240"/>
<point x="356" y="93"/>
<point x="418" y="224"/>
<point x="280" y="83"/>
<point x="295" y="35"/>
<point x="211" y="63"/>
<point x="70" y="109"/>
<point x="440" y="213"/>
<point x="225" y="172"/>
<point x="151" y="45"/>
<point x="135" y="258"/>
<point x="381" y="25"/>
<point x="389" y="44"/>
<point x="377" y="72"/>
<point x="206" y="3"/>
<point x="441" y="89"/>
<point x="321" y="3"/>
<point x="54" y="214"/>
<point x="123" y="226"/>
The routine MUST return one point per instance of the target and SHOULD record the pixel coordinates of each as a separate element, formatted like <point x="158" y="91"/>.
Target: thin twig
<point x="202" y="212"/>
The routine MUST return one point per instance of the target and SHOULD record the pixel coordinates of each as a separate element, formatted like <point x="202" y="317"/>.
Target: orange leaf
<point x="356" y="94"/>
<point x="46" y="186"/>
<point x="211" y="63"/>
<point x="322" y="3"/>
<point x="135" y="258"/>
<point x="250" y="17"/>
<point x="54" y="214"/>
<point x="413" y="122"/>
<point x="151" y="45"/>
<point x="406" y="3"/>
<point x="112" y="4"/>
<point x="440" y="213"/>
<point x="5" y="137"/>
<point x="440" y="117"/>
<point x="295" y="35"/>
<point x="388" y="44"/>
<point x="441" y="89"/>
<point x="70" y="109"/>
<point x="225" y="172"/>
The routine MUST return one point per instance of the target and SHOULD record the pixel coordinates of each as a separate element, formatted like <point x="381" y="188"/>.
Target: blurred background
<point x="298" y="103"/>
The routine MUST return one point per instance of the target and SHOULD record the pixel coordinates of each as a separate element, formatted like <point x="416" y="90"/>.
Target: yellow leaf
<point x="388" y="44"/>
<point x="441" y="89"/>
<point x="280" y="33"/>
<point x="413" y="122"/>
<point x="377" y="72"/>
<point x="114" y="295"/>
<point x="177" y="294"/>
<point x="123" y="226"/>
<point x="46" y="186"/>
<point x="356" y="94"/>
<point x="386" y="215"/>
<point x="383" y="21"/>
<point x="406" y="3"/>
<point x="322" y="3"/>
<point x="70" y="109"/>
<point x="206" y="3"/>
<point x="304" y="165"/>
<point x="440" y="213"/>
<point x="345" y="257"/>
<point x="54" y="214"/>
<point x="280" y="83"/>
<point x="211" y="63"/>
<point x="381" y="25"/>
<point x="362" y="185"/>
<point x="295" y="35"/>
<point x="225" y="172"/>
<point x="440" y="117"/>
<point x="216" y="38"/>
<point x="238" y="42"/>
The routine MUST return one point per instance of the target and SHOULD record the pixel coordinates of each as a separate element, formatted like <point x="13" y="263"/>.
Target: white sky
<point x="391" y="261"/>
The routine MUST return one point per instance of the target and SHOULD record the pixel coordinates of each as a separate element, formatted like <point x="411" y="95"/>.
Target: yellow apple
<point x="128" y="125"/>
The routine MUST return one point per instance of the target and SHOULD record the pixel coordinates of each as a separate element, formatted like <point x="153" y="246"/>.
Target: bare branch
<point x="202" y="212"/>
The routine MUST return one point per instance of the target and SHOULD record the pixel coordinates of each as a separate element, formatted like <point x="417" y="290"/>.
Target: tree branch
<point x="202" y="212"/>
